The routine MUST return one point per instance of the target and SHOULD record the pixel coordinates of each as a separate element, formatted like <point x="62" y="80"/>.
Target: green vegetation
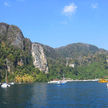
<point x="19" y="65"/>
<point x="76" y="50"/>
<point x="97" y="67"/>
<point x="15" y="58"/>
<point x="23" y="71"/>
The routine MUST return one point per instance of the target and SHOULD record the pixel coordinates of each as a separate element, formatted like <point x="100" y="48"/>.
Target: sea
<point x="43" y="95"/>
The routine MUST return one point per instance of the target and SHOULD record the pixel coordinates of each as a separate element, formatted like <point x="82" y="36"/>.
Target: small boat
<point x="63" y="81"/>
<point x="57" y="82"/>
<point x="5" y="85"/>
<point x="107" y="85"/>
<point x="54" y="82"/>
<point x="103" y="81"/>
<point x="12" y="83"/>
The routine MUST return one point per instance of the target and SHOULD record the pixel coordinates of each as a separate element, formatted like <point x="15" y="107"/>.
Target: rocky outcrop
<point x="3" y="31"/>
<point x="12" y="35"/>
<point x="20" y="62"/>
<point x="15" y="37"/>
<point x="10" y="67"/>
<point x="27" y="45"/>
<point x="39" y="58"/>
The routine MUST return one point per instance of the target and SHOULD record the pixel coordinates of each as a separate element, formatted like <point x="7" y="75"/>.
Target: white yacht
<point x="57" y="82"/>
<point x="5" y="85"/>
<point x="107" y="85"/>
<point x="63" y="81"/>
<point x="54" y="82"/>
<point x="12" y="83"/>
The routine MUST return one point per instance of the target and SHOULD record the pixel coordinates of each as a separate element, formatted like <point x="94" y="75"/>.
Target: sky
<point x="59" y="22"/>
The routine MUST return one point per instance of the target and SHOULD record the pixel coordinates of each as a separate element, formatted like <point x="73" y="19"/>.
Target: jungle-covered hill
<point x="26" y="61"/>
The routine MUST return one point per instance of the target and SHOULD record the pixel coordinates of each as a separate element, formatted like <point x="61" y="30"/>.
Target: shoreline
<point x="67" y="80"/>
<point x="71" y="80"/>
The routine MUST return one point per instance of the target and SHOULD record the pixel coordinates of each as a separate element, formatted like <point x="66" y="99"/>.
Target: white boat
<point x="54" y="82"/>
<point x="5" y="85"/>
<point x="57" y="82"/>
<point x="12" y="83"/>
<point x="107" y="85"/>
<point x="63" y="81"/>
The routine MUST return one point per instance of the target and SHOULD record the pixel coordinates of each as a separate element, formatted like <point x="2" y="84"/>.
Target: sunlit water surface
<point x="43" y="95"/>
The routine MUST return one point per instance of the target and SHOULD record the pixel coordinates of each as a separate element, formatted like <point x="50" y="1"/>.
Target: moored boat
<point x="12" y="83"/>
<point x="63" y="81"/>
<point x="107" y="85"/>
<point x="103" y="81"/>
<point x="54" y="82"/>
<point x="5" y="85"/>
<point x="57" y="82"/>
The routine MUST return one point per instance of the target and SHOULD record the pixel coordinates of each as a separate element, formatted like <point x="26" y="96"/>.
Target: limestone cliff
<point x="39" y="58"/>
<point x="15" y="37"/>
<point x="12" y="35"/>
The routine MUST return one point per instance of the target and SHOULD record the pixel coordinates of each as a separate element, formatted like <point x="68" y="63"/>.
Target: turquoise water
<point x="43" y="95"/>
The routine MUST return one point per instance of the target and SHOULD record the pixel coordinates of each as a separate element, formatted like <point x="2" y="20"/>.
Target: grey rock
<point x="3" y="31"/>
<point x="15" y="37"/>
<point x="39" y="58"/>
<point x="12" y="35"/>
<point x="27" y="45"/>
<point x="10" y="67"/>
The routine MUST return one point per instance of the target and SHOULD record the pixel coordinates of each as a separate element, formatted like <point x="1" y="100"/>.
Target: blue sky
<point x="59" y="22"/>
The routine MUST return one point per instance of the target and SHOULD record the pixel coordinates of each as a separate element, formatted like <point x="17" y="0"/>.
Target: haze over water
<point x="43" y="95"/>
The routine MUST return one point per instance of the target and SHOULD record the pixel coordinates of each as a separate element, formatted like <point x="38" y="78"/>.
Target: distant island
<point x="27" y="62"/>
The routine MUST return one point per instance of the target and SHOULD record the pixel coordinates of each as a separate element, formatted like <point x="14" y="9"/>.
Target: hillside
<point x="18" y="56"/>
<point x="26" y="61"/>
<point x="76" y="50"/>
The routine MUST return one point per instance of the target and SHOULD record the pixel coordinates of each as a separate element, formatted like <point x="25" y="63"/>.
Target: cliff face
<point x="15" y="37"/>
<point x="12" y="35"/>
<point x="3" y="31"/>
<point x="39" y="58"/>
<point x="24" y="50"/>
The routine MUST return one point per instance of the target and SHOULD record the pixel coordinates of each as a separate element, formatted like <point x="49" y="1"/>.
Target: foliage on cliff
<point x="89" y="61"/>
<point x="96" y="67"/>
<point x="20" y="63"/>
<point x="16" y="58"/>
<point x="76" y="50"/>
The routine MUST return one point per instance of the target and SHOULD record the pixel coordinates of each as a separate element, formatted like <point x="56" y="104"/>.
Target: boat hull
<point x="57" y="82"/>
<point x="5" y="85"/>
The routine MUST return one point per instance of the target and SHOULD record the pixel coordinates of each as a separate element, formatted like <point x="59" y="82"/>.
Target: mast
<point x="6" y="78"/>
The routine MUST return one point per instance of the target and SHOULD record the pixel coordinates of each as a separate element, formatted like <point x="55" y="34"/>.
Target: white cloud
<point x="69" y="9"/>
<point x="6" y="4"/>
<point x="94" y="5"/>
